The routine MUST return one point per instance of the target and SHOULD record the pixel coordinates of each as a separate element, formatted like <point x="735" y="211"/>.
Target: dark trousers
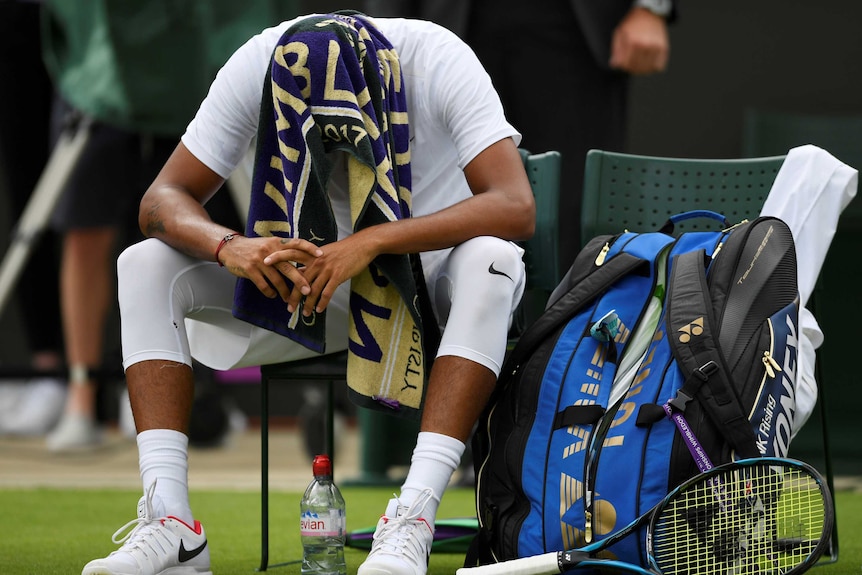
<point x="25" y="111"/>
<point x="553" y="91"/>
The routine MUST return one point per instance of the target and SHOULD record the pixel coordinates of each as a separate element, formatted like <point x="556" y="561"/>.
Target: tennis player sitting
<point x="377" y="140"/>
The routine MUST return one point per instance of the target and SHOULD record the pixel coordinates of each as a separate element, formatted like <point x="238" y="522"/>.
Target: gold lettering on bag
<point x="582" y="434"/>
<point x="754" y="259"/>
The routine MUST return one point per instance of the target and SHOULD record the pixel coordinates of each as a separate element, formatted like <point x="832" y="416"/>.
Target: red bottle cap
<point x="321" y="465"/>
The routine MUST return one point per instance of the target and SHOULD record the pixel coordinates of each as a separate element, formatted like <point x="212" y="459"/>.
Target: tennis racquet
<point x="764" y="515"/>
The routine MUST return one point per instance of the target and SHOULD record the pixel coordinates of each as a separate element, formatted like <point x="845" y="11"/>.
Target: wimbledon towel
<point x="335" y="85"/>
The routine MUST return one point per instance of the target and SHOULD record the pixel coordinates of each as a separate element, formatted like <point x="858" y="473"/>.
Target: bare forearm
<point x="175" y="214"/>
<point x="180" y="221"/>
<point x="454" y="225"/>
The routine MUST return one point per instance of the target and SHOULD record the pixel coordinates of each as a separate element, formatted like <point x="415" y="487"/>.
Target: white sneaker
<point x="402" y="540"/>
<point x="39" y="408"/>
<point x="75" y="432"/>
<point x="157" y="545"/>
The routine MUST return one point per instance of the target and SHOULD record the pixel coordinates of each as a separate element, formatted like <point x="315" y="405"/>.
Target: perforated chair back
<point x="639" y="193"/>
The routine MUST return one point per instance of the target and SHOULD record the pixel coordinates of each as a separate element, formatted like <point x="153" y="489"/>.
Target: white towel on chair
<point x="811" y="190"/>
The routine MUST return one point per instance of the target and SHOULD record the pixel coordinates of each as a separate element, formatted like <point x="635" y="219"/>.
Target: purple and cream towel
<point x="335" y="85"/>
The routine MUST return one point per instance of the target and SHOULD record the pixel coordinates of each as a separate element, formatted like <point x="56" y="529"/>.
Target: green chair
<point x="639" y="193"/>
<point x="541" y="252"/>
<point x="378" y="455"/>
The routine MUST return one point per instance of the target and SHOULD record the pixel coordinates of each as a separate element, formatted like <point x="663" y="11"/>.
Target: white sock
<point x="435" y="459"/>
<point x="163" y="455"/>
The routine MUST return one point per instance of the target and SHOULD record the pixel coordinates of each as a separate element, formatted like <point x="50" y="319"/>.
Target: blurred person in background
<point x="135" y="71"/>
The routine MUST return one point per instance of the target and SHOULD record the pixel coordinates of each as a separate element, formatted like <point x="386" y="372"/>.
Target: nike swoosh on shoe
<point x="186" y="555"/>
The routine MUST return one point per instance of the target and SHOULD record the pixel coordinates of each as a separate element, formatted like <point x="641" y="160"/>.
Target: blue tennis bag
<point x="576" y="441"/>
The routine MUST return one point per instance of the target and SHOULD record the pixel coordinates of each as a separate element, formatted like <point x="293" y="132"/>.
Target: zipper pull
<point x="588" y="527"/>
<point x="770" y="364"/>
<point x="600" y="259"/>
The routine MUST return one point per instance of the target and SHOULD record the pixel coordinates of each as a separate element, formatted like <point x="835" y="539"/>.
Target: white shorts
<point x="175" y="307"/>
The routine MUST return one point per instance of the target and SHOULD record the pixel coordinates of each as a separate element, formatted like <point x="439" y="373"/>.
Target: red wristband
<point x="221" y="244"/>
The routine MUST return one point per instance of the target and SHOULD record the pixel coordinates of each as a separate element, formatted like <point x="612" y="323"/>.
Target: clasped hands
<point x="293" y="268"/>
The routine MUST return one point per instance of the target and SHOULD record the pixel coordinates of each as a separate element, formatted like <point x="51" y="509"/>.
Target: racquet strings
<point x="755" y="519"/>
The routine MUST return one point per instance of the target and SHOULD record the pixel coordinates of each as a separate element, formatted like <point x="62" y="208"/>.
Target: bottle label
<point x="313" y="524"/>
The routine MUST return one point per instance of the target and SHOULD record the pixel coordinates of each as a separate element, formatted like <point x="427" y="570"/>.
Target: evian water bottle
<point x="322" y="523"/>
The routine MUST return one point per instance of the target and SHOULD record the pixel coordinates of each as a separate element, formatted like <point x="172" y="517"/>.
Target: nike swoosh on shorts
<point x="496" y="272"/>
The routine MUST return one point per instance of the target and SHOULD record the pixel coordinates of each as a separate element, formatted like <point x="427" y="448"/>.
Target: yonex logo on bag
<point x="691" y="330"/>
<point x="571" y="512"/>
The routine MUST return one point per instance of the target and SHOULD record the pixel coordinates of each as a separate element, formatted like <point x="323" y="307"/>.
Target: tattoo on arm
<point x="154" y="222"/>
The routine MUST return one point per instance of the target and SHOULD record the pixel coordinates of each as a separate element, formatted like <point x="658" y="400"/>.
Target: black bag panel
<point x="749" y="370"/>
<point x="758" y="281"/>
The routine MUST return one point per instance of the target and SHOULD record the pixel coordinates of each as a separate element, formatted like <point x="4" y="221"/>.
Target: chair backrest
<point x="542" y="249"/>
<point x="638" y="193"/>
<point x="541" y="252"/>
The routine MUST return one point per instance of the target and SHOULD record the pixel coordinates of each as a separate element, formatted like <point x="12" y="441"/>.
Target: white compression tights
<point x="175" y="307"/>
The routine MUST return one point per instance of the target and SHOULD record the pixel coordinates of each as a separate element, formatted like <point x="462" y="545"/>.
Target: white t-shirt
<point x="453" y="110"/>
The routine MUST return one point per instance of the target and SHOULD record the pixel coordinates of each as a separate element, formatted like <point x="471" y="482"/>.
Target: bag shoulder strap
<point x="694" y="342"/>
<point x="568" y="304"/>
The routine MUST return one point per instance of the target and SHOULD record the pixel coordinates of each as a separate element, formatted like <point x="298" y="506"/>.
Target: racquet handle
<point x="545" y="564"/>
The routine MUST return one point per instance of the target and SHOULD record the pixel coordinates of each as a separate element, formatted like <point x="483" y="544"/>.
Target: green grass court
<point x="56" y="531"/>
